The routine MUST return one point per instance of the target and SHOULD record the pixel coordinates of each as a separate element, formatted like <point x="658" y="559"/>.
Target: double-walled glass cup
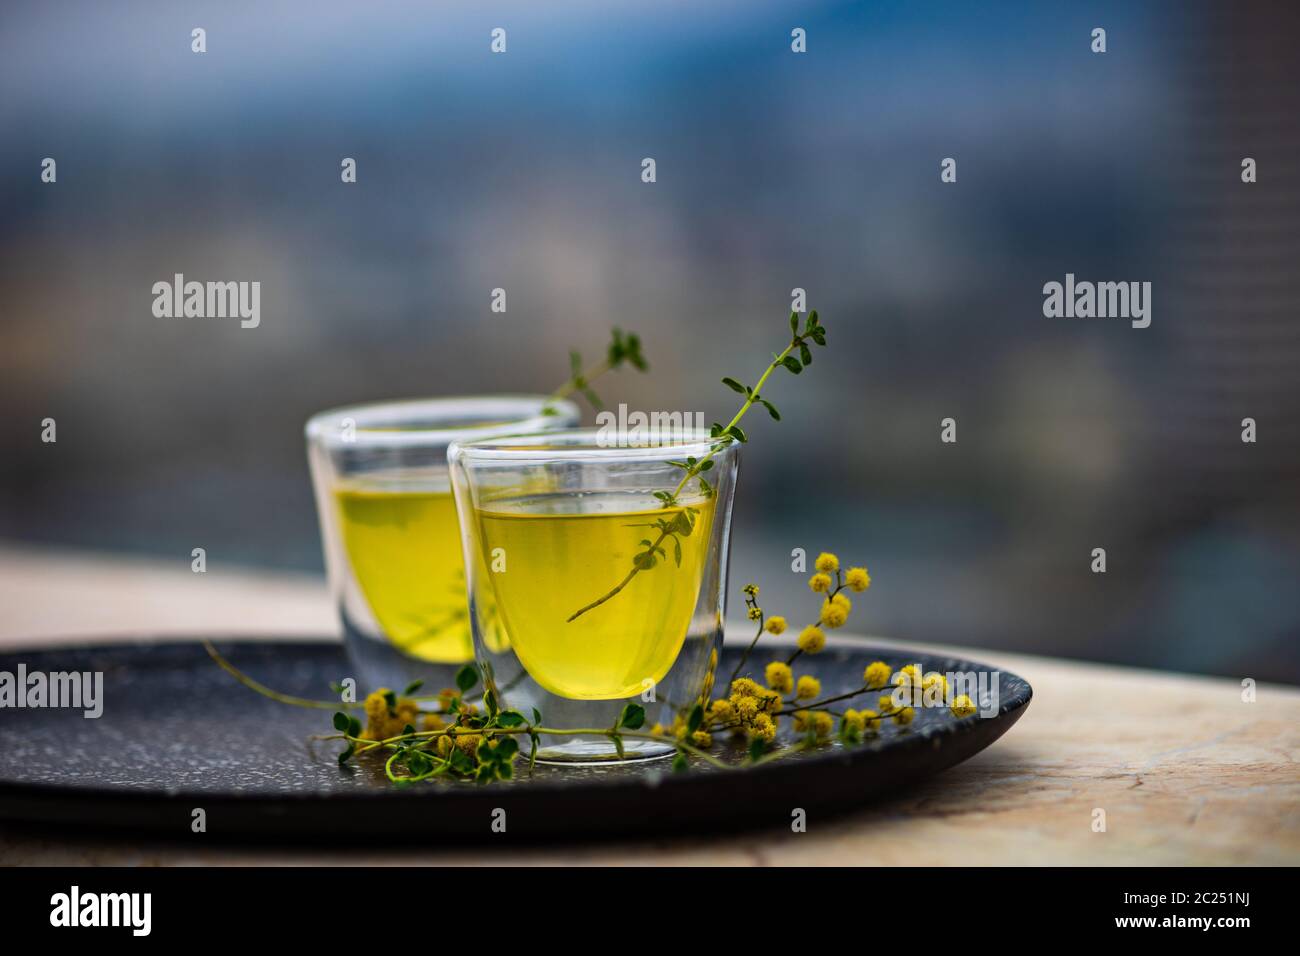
<point x="597" y="577"/>
<point x="389" y="528"/>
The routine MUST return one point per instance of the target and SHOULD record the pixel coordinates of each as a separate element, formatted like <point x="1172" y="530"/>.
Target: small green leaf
<point x="771" y="409"/>
<point x="757" y="748"/>
<point x="738" y="433"/>
<point x="507" y="748"/>
<point x="537" y="716"/>
<point x="680" y="764"/>
<point x="794" y="323"/>
<point x="732" y="384"/>
<point x="618" y="745"/>
<point x="633" y="716"/>
<point x="706" y="464"/>
<point x="460" y="761"/>
<point x="466" y="677"/>
<point x="792" y="363"/>
<point x="510" y="718"/>
<point x="632" y="352"/>
<point x="354" y="727"/>
<point x="347" y="754"/>
<point x="418" y="762"/>
<point x="697" y="717"/>
<point x="805" y="354"/>
<point x="391" y="699"/>
<point x="342" y="721"/>
<point x="412" y="687"/>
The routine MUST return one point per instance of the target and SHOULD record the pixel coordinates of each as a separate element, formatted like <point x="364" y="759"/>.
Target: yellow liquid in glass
<point x="564" y="551"/>
<point x="404" y="547"/>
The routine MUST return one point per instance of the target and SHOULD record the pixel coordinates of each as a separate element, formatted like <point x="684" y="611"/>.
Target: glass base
<point x="599" y="752"/>
<point x="379" y="664"/>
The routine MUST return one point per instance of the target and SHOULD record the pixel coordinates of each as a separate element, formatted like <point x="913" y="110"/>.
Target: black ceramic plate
<point x="178" y="734"/>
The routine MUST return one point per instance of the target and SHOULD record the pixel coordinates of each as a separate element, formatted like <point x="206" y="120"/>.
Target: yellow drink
<point x="563" y="551"/>
<point x="403" y="542"/>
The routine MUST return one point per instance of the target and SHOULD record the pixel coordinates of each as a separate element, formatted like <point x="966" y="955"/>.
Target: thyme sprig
<point x="477" y="744"/>
<point x="694" y="468"/>
<point x="624" y="349"/>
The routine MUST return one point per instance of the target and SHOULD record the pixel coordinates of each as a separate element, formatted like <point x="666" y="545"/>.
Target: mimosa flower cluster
<point x="754" y="710"/>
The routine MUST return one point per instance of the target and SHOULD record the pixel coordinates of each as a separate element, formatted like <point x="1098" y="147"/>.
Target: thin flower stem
<point x="839" y="577"/>
<point x="265" y="691"/>
<point x="745" y="656"/>
<point x="865" y="689"/>
<point x="275" y="695"/>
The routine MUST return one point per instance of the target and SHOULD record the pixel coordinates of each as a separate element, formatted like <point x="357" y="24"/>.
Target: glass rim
<point x="584" y="444"/>
<point x="368" y="418"/>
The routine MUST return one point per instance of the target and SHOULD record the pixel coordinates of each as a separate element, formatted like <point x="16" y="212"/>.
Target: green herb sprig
<point x="624" y="349"/>
<point x="796" y="356"/>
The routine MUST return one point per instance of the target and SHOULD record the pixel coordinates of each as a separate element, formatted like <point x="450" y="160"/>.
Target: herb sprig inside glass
<point x="796" y="356"/>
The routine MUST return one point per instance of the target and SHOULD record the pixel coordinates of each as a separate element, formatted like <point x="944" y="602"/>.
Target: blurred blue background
<point x="775" y="171"/>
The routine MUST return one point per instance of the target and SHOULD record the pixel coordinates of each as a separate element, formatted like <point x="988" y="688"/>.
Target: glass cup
<point x="389" y="528"/>
<point x="588" y="590"/>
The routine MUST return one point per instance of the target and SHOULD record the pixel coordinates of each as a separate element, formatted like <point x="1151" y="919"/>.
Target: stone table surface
<point x="1185" y="770"/>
